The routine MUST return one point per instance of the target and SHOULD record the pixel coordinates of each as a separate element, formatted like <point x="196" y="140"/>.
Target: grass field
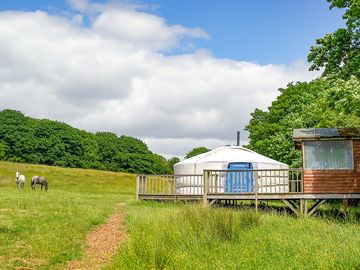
<point x="164" y="236"/>
<point x="45" y="230"/>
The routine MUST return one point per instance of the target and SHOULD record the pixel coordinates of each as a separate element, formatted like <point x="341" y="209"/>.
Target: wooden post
<point x="289" y="182"/>
<point x="137" y="187"/>
<point x="315" y="206"/>
<point x="169" y="184"/>
<point x="206" y="187"/>
<point x="256" y="190"/>
<point x="145" y="185"/>
<point x="151" y="183"/>
<point x="216" y="183"/>
<point x="175" y="189"/>
<point x="156" y="185"/>
<point x="291" y="206"/>
<point x="302" y="206"/>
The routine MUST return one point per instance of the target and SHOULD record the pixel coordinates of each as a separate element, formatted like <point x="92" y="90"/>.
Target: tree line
<point x="332" y="100"/>
<point x="42" y="141"/>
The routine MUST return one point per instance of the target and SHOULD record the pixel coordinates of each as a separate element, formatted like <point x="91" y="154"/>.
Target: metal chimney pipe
<point x="238" y="138"/>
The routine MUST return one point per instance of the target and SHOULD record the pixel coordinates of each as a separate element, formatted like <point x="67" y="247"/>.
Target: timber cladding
<point x="334" y="181"/>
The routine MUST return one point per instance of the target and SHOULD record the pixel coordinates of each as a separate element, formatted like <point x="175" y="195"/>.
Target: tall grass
<point x="215" y="224"/>
<point x="337" y="211"/>
<point x="172" y="233"/>
<point x="192" y="237"/>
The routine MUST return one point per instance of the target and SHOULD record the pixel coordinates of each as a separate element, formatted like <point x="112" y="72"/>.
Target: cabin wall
<point x="334" y="181"/>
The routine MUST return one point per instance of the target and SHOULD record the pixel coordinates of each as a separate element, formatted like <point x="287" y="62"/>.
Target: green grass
<point x="45" y="230"/>
<point x="164" y="236"/>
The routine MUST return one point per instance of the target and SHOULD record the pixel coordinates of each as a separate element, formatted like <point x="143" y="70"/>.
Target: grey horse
<point x="39" y="180"/>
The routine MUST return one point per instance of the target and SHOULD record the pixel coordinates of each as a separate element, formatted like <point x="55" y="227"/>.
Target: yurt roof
<point x="229" y="153"/>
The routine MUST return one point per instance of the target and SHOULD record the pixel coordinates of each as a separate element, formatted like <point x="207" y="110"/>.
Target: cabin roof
<point x="325" y="133"/>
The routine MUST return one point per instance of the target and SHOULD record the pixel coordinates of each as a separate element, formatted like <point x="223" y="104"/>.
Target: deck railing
<point x="264" y="181"/>
<point x="170" y="184"/>
<point x="273" y="181"/>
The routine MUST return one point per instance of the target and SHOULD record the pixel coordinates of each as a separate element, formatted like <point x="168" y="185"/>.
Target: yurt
<point x="229" y="158"/>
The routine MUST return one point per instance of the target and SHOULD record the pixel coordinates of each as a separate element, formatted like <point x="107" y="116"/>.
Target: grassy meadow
<point x="45" y="230"/>
<point x="166" y="236"/>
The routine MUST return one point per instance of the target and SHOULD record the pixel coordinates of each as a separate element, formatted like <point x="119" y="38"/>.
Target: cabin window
<point x="328" y="155"/>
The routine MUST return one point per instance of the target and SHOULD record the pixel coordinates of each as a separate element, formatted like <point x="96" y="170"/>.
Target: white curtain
<point x="328" y="155"/>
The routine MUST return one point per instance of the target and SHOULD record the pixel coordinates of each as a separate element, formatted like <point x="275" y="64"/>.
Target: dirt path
<point x="101" y="244"/>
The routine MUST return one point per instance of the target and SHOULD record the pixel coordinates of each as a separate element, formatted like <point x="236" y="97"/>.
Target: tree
<point x="339" y="52"/>
<point x="108" y="150"/>
<point x="171" y="162"/>
<point x="330" y="101"/>
<point x="339" y="105"/>
<point x="320" y="103"/>
<point x="2" y="150"/>
<point x="16" y="131"/>
<point x="25" y="139"/>
<point x="196" y="151"/>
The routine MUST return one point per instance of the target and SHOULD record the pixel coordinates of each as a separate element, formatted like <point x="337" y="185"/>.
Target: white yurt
<point x="230" y="157"/>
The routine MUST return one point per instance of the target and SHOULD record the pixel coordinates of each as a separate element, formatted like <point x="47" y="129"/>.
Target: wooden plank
<point x="256" y="193"/>
<point x="291" y="206"/>
<point x="284" y="196"/>
<point x="156" y="184"/>
<point x="175" y="189"/>
<point x="169" y="186"/>
<point x="301" y="208"/>
<point x="268" y="196"/>
<point x="216" y="183"/>
<point x="137" y="187"/>
<point x="163" y="185"/>
<point x="166" y="197"/>
<point x="206" y="187"/>
<point x="315" y="206"/>
<point x="333" y="180"/>
<point x="212" y="202"/>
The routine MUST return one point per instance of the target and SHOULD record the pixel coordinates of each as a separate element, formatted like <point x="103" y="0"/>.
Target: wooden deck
<point x="244" y="197"/>
<point x="170" y="197"/>
<point x="223" y="185"/>
<point x="221" y="196"/>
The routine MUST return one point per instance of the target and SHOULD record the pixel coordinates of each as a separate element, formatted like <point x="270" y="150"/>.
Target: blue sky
<point x="176" y="74"/>
<point x="261" y="31"/>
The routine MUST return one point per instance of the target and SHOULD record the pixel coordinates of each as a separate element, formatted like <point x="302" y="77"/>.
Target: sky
<point x="176" y="74"/>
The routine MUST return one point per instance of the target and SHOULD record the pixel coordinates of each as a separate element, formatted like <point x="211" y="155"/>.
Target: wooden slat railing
<point x="191" y="184"/>
<point x="266" y="181"/>
<point x="273" y="181"/>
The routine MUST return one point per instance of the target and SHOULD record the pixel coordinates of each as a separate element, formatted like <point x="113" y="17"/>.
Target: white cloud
<point x="142" y="30"/>
<point x="112" y="75"/>
<point x="85" y="6"/>
<point x="181" y="146"/>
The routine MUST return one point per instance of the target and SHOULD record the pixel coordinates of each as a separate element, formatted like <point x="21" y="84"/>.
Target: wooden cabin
<point x="331" y="160"/>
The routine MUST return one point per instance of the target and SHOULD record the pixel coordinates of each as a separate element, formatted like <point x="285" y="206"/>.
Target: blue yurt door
<point x="239" y="181"/>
